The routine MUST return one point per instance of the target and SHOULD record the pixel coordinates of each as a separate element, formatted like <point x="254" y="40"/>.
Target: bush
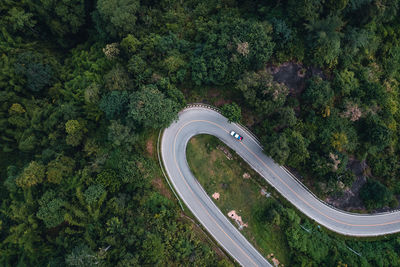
<point x="375" y="195"/>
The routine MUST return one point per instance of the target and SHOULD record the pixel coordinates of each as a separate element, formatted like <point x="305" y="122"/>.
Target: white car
<point x="236" y="135"/>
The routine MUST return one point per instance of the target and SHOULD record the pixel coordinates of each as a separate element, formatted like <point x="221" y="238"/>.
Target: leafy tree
<point x="62" y="17"/>
<point x="149" y="108"/>
<point x="109" y="179"/>
<point x="287" y="117"/>
<point x="345" y="82"/>
<point x="261" y="92"/>
<point x="114" y="104"/>
<point x="375" y="133"/>
<point x="32" y="175"/>
<point x="130" y="44"/>
<point x="298" y="149"/>
<point x="51" y="210"/>
<point x="375" y="195"/>
<point x="232" y="112"/>
<point x="355" y="42"/>
<point x="94" y="193"/>
<point x="318" y="93"/>
<point x="227" y="46"/>
<point x="119" y="16"/>
<point x="277" y="148"/>
<point x="152" y="249"/>
<point x="19" y="19"/>
<point x="75" y="131"/>
<point x="121" y="136"/>
<point x="325" y="40"/>
<point x="82" y="256"/>
<point x="117" y="79"/>
<point x="60" y="168"/>
<point x="305" y="10"/>
<point x="23" y="236"/>
<point x="282" y="32"/>
<point x="38" y="74"/>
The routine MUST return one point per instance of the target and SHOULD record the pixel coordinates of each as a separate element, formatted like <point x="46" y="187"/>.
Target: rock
<point x="246" y="175"/>
<point x="228" y="154"/>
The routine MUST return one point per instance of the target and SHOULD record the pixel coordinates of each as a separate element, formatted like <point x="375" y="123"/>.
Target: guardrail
<point x="219" y="111"/>
<point x="203" y="105"/>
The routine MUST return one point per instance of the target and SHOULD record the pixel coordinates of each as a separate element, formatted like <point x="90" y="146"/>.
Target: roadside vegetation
<point x="85" y="83"/>
<point x="273" y="225"/>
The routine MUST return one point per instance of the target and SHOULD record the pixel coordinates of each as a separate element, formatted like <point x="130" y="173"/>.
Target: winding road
<point x="201" y="120"/>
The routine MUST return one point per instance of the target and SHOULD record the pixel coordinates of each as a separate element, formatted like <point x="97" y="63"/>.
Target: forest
<point x="85" y="84"/>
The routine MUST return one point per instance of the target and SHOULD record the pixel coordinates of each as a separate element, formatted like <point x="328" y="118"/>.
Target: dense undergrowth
<point x="83" y="83"/>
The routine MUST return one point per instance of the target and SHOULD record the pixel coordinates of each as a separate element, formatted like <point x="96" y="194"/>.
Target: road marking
<point x="296" y="194"/>
<point x="196" y="198"/>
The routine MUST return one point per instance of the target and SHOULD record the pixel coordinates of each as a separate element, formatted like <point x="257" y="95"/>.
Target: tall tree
<point x="149" y="108"/>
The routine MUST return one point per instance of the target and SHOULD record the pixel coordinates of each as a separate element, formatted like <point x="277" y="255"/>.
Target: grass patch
<point x="216" y="173"/>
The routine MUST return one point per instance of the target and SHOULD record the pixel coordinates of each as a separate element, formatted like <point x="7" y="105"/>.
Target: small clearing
<point x="215" y="195"/>
<point x="150" y="147"/>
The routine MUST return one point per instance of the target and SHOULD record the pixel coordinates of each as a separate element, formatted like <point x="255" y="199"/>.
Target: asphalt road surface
<point x="199" y="120"/>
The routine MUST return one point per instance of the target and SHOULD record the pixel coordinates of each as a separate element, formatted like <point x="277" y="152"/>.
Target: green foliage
<point x="114" y="104"/>
<point x="109" y="179"/>
<point x="63" y="64"/>
<point x="282" y="32"/>
<point x="38" y="75"/>
<point x="276" y="146"/>
<point x="119" y="16"/>
<point x="318" y="94"/>
<point x="345" y="82"/>
<point x="375" y="133"/>
<point x="60" y="168"/>
<point x="62" y="17"/>
<point x="82" y="256"/>
<point x="149" y="108"/>
<point x="325" y="40"/>
<point x="375" y="195"/>
<point x="240" y="43"/>
<point x="32" y="175"/>
<point x="298" y="149"/>
<point x="130" y="44"/>
<point x="51" y="210"/>
<point x="121" y="136"/>
<point x="94" y="193"/>
<point x="261" y="92"/>
<point x="232" y="112"/>
<point x="117" y="79"/>
<point x="75" y="131"/>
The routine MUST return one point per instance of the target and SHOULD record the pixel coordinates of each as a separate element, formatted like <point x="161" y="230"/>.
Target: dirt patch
<point x="349" y="200"/>
<point x="193" y="141"/>
<point x="159" y="185"/>
<point x="238" y="219"/>
<point x="213" y="156"/>
<point x="215" y="195"/>
<point x="150" y="147"/>
<point x="246" y="175"/>
<point x="228" y="154"/>
<point x="222" y="101"/>
<point x="274" y="260"/>
<point x="293" y="75"/>
<point x="217" y="100"/>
